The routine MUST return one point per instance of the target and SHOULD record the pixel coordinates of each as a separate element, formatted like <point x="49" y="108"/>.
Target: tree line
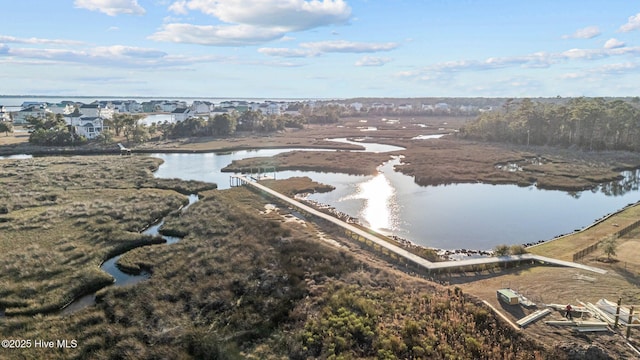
<point x="52" y="130"/>
<point x="586" y="123"/>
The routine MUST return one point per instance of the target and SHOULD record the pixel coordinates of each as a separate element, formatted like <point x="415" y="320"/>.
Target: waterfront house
<point x="87" y="126"/>
<point x="90" y="126"/>
<point x="201" y="107"/>
<point x="181" y="114"/>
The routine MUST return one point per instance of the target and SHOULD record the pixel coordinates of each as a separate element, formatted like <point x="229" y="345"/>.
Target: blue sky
<point x="320" y="48"/>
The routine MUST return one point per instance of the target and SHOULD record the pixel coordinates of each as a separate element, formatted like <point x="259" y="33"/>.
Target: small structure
<point x="508" y="296"/>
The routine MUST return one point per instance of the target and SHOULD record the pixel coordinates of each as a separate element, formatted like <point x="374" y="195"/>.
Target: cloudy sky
<point x="320" y="48"/>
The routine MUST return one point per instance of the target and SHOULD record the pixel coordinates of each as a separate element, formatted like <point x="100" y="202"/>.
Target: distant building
<point x="87" y="126"/>
<point x="4" y="115"/>
<point x="181" y="114"/>
<point x="201" y="107"/>
<point x="405" y="107"/>
<point x="20" y="117"/>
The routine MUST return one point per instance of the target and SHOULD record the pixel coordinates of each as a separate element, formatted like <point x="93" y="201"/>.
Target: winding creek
<point x="120" y="278"/>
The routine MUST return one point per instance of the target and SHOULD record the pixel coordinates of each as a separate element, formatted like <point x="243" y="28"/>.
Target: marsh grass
<point x="446" y="161"/>
<point x="64" y="217"/>
<point x="355" y="163"/>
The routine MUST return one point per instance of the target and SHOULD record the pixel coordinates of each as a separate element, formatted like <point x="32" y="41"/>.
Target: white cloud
<point x="111" y="7"/>
<point x="38" y="41"/>
<point x="632" y="24"/>
<point x="286" y="52"/>
<point x="588" y="54"/>
<point x="613" y="44"/>
<point x="258" y="21"/>
<point x="585" y="33"/>
<point x="445" y="70"/>
<point x="236" y="35"/>
<point x="619" y="68"/>
<point x="572" y="76"/>
<point x="348" y="46"/>
<point x="372" y="61"/>
<point x="293" y="15"/>
<point x="179" y="7"/>
<point x="311" y="49"/>
<point x="110" y="56"/>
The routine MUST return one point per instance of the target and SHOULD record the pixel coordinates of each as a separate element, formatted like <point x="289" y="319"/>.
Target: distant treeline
<point x="587" y="123"/>
<point x="229" y="123"/>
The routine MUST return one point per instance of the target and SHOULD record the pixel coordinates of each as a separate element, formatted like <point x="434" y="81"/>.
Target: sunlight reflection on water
<point x="380" y="210"/>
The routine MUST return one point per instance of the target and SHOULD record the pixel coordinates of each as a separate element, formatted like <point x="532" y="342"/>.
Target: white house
<point x="73" y="119"/>
<point x="201" y="107"/>
<point x="181" y="114"/>
<point x="405" y="107"/>
<point x="90" y="126"/>
<point x="87" y="126"/>
<point x="4" y="115"/>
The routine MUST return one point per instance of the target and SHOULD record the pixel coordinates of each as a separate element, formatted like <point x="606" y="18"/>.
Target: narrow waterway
<point x="121" y="278"/>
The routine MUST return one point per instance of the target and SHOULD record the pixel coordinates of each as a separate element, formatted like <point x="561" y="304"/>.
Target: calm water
<point x="472" y="216"/>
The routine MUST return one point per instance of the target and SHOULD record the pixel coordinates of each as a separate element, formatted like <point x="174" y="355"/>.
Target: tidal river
<point x="469" y="216"/>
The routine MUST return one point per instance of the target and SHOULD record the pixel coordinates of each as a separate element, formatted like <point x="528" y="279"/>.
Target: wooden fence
<point x="622" y="232"/>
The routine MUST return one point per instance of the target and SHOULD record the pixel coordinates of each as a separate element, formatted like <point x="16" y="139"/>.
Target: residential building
<point x="181" y="114"/>
<point x="20" y="117"/>
<point x="405" y="107"/>
<point x="201" y="107"/>
<point x="87" y="126"/>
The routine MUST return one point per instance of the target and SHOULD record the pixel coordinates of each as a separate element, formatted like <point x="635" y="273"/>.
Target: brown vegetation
<point x="446" y="161"/>
<point x="62" y="217"/>
<point x="326" y="161"/>
<point x="297" y="185"/>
